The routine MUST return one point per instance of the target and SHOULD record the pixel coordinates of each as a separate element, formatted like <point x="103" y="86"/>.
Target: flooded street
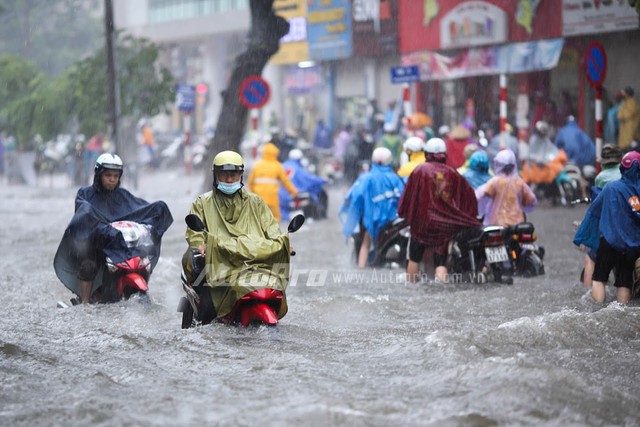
<point x="356" y="348"/>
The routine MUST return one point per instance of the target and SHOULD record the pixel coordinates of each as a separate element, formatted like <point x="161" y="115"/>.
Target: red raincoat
<point x="437" y="202"/>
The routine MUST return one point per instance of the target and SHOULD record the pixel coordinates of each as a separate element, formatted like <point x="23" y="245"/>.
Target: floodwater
<point x="356" y="348"/>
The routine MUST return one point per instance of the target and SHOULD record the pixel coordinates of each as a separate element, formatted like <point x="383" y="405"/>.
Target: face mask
<point x="229" y="188"/>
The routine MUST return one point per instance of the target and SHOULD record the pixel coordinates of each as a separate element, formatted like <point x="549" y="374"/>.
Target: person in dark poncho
<point x="90" y="238"/>
<point x="437" y="202"/>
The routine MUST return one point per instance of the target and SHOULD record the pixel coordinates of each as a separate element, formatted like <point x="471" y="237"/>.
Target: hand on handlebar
<point x="202" y="249"/>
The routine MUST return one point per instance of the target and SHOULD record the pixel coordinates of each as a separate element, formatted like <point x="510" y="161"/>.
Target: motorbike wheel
<point x="394" y="260"/>
<point x="187" y="318"/>
<point x="532" y="265"/>
<point x="322" y="206"/>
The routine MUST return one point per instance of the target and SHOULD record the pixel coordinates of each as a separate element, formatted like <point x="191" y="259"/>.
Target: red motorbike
<point x="260" y="306"/>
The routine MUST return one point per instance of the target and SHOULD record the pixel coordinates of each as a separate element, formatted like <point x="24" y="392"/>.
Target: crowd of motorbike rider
<point x="441" y="186"/>
<point x="502" y="174"/>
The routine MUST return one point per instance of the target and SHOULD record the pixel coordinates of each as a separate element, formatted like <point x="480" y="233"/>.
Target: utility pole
<point x="113" y="98"/>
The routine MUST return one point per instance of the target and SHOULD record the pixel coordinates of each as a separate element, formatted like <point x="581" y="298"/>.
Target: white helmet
<point x="382" y="156"/>
<point x="414" y="144"/>
<point x="436" y="146"/>
<point x="108" y="161"/>
<point x="295" y="154"/>
<point x="542" y="127"/>
<point x="444" y="130"/>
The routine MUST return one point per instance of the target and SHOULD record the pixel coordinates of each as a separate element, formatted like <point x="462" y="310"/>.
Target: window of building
<point x="175" y="10"/>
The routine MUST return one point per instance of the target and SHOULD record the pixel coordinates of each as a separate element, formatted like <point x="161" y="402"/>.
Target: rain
<point x="358" y="346"/>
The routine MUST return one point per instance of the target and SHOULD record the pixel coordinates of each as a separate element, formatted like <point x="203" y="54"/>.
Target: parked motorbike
<point x="526" y="256"/>
<point x="390" y="247"/>
<point x="479" y="255"/>
<point x="257" y="307"/>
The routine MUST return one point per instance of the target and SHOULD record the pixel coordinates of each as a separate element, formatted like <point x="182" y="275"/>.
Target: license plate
<point x="496" y="254"/>
<point x="529" y="246"/>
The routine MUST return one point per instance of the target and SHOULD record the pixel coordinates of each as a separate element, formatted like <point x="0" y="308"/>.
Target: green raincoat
<point x="246" y="250"/>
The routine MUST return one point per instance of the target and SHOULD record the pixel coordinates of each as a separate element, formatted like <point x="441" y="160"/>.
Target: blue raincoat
<point x="615" y="212"/>
<point x="478" y="172"/>
<point x="576" y="144"/>
<point x="303" y="180"/>
<point x="372" y="199"/>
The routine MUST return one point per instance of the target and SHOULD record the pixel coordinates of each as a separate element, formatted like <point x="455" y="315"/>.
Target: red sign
<point x="254" y="92"/>
<point x="433" y="25"/>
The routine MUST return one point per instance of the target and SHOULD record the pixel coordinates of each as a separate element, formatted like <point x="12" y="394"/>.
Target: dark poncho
<point x="90" y="228"/>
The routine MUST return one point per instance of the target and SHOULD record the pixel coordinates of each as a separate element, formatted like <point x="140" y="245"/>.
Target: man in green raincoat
<point x="243" y="245"/>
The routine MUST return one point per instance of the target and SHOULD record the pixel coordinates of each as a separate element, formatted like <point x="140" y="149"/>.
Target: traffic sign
<point x="595" y="62"/>
<point x="254" y="92"/>
<point x="408" y="74"/>
<point x="185" y="97"/>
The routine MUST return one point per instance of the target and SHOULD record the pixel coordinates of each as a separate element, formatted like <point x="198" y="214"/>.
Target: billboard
<point x="593" y="16"/>
<point x="293" y="45"/>
<point x="329" y="29"/>
<point x="374" y="27"/>
<point x="437" y="24"/>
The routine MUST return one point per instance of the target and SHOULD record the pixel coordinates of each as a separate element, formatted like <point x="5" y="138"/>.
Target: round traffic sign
<point x="254" y="92"/>
<point x="595" y="62"/>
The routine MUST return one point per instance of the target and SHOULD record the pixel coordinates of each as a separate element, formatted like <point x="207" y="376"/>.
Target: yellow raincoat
<point x="246" y="250"/>
<point x="266" y="176"/>
<point x="629" y="118"/>
<point x="414" y="160"/>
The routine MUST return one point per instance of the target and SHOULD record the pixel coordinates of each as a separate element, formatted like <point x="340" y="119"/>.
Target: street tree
<point x="22" y="82"/>
<point x="263" y="42"/>
<point x="34" y="103"/>
<point x="146" y="87"/>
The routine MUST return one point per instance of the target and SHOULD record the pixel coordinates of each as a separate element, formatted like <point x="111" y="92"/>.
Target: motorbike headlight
<point x="111" y="266"/>
<point x="146" y="263"/>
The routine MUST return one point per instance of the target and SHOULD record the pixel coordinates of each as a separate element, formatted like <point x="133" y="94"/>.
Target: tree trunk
<point x="263" y="42"/>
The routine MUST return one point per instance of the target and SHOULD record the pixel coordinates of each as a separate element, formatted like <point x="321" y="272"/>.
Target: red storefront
<point x="463" y="46"/>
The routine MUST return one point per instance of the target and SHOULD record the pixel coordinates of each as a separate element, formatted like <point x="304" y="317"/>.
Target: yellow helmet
<point x="227" y="161"/>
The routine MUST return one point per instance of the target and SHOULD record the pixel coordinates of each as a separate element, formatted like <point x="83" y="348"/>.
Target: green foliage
<point x="34" y="104"/>
<point x="21" y="81"/>
<point x="145" y="87"/>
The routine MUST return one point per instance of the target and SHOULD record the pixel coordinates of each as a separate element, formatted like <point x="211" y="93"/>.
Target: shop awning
<point x="508" y="58"/>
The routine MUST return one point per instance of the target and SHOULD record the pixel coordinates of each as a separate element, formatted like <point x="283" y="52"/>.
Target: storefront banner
<point x="299" y="81"/>
<point x="374" y="27"/>
<point x="597" y="16"/>
<point x="293" y="45"/>
<point x="329" y="29"/>
<point x="437" y="24"/>
<point x="508" y="59"/>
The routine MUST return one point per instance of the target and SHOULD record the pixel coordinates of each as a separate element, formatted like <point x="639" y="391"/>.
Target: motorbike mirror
<point x="194" y="222"/>
<point x="296" y="223"/>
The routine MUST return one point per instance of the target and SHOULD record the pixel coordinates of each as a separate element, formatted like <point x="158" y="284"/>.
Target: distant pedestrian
<point x="629" y="117"/>
<point x="612" y="125"/>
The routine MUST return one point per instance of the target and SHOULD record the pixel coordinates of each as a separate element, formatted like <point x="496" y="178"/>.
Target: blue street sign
<point x="408" y="74"/>
<point x="596" y="64"/>
<point x="254" y="92"/>
<point x="185" y="97"/>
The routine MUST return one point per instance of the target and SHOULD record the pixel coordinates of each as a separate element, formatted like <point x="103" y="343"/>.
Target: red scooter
<point x="260" y="306"/>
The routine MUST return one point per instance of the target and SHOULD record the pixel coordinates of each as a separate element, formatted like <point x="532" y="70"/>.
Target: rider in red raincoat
<point x="437" y="202"/>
